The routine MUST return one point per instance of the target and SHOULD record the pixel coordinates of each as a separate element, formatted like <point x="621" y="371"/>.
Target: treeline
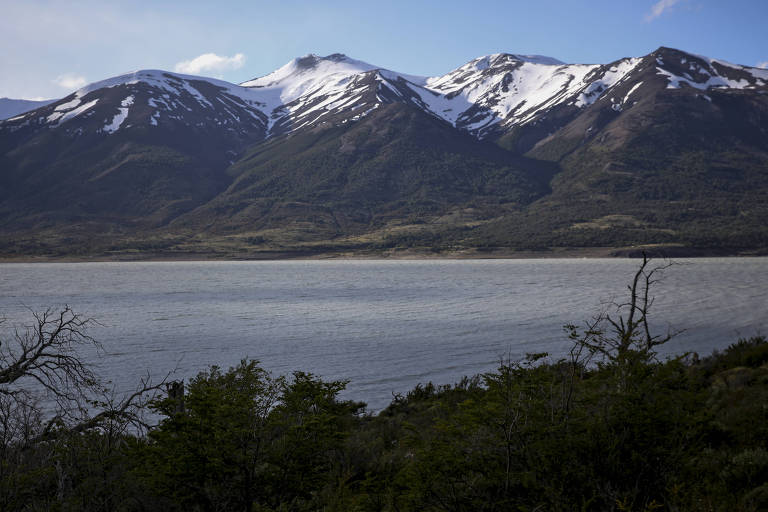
<point x="609" y="426"/>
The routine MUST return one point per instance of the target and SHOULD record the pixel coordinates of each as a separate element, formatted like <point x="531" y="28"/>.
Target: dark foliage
<point x="608" y="427"/>
<point x="537" y="434"/>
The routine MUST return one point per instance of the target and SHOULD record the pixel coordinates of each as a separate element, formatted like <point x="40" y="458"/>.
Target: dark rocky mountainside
<point x="330" y="154"/>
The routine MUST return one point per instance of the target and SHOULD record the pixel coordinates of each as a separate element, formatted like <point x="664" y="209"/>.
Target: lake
<point x="385" y="325"/>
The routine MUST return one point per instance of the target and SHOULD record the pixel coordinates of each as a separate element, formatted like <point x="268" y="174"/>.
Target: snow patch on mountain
<point x="68" y="110"/>
<point x="114" y="125"/>
<point x="305" y="85"/>
<point x="675" y="82"/>
<point x="305" y="75"/>
<point x="53" y="118"/>
<point x="611" y="77"/>
<point x="77" y="111"/>
<point x="508" y="89"/>
<point x="173" y="86"/>
<point x="301" y="74"/>
<point x="442" y="105"/>
<point x="755" y="72"/>
<point x="715" y="73"/>
<point x="536" y="87"/>
<point x="633" y="89"/>
<point x="171" y="95"/>
<point x="68" y="105"/>
<point x="310" y="87"/>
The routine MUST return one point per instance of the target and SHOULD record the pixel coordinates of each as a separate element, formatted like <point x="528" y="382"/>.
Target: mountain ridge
<point x="542" y="81"/>
<point x="335" y="154"/>
<point x="10" y="107"/>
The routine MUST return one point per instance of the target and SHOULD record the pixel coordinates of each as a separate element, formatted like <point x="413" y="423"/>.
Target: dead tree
<point x="634" y="333"/>
<point x="46" y="355"/>
<point x="621" y="335"/>
<point x="47" y="388"/>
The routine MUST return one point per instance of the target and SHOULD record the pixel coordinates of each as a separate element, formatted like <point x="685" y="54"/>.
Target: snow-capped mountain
<point x="313" y="89"/>
<point x="704" y="73"/>
<point x="150" y="98"/>
<point x="483" y="96"/>
<point x="332" y="146"/>
<point x="486" y="97"/>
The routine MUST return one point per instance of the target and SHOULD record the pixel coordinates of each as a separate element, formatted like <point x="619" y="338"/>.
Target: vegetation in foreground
<point x="609" y="427"/>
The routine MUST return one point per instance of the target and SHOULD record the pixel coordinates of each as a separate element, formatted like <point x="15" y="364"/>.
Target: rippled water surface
<point x="384" y="325"/>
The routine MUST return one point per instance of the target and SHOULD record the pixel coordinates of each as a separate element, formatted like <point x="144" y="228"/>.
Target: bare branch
<point x="47" y="352"/>
<point x="43" y="370"/>
<point x="627" y="335"/>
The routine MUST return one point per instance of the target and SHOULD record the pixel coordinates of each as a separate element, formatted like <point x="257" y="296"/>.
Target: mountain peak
<point x="683" y="69"/>
<point x="311" y="60"/>
<point x="307" y="73"/>
<point x="336" y="57"/>
<point x="533" y="59"/>
<point x="311" y="66"/>
<point x="503" y="58"/>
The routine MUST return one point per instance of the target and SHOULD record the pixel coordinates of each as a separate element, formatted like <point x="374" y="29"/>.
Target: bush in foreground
<point x="609" y="427"/>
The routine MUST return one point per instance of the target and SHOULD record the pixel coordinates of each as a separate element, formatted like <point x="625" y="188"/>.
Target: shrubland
<point x="611" y="425"/>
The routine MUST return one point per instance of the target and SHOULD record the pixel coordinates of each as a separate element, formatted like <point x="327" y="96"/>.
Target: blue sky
<point x="49" y="48"/>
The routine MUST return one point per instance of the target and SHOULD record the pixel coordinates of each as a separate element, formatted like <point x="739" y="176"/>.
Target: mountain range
<point x="330" y="155"/>
<point x="11" y="107"/>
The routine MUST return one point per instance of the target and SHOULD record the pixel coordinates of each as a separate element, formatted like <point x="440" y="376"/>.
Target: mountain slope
<point x="140" y="147"/>
<point x="676" y="153"/>
<point x="332" y="153"/>
<point x="397" y="163"/>
<point x="485" y="97"/>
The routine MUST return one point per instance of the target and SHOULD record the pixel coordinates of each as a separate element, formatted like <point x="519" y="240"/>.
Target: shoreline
<point x="398" y="254"/>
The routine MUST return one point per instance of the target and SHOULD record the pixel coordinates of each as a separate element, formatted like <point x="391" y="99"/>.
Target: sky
<point x="49" y="48"/>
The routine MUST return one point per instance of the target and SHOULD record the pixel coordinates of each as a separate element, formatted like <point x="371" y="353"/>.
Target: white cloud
<point x="210" y="62"/>
<point x="70" y="81"/>
<point x="659" y="8"/>
<point x="763" y="65"/>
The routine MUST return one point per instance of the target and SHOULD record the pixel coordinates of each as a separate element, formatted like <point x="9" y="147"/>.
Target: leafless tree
<point x="623" y="329"/>
<point x="45" y="356"/>
<point x="621" y="334"/>
<point x="47" y="388"/>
